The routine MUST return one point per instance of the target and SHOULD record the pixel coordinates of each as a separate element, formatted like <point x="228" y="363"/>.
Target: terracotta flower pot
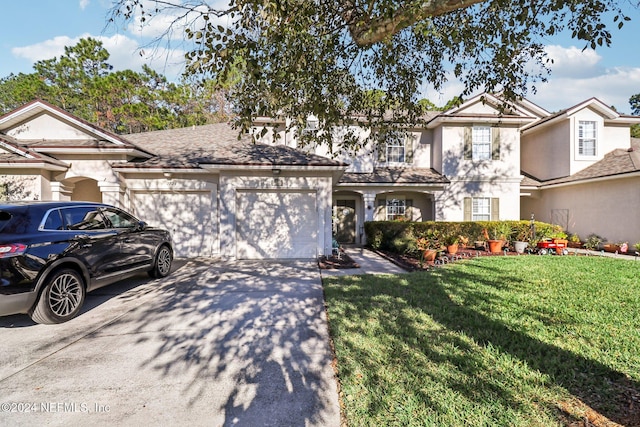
<point x="495" y="246"/>
<point x="430" y="254"/>
<point x="452" y="249"/>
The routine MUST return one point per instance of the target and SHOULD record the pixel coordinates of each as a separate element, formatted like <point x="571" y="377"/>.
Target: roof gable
<point x="488" y="104"/>
<point x="608" y="114"/>
<point x="44" y="127"/>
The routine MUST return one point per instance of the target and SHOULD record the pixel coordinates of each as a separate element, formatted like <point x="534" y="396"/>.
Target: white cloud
<point x="171" y="22"/>
<point x="573" y="62"/>
<point x="613" y="87"/>
<point x="84" y="4"/>
<point x="576" y="76"/>
<point x="46" y="49"/>
<point x="125" y="53"/>
<point x="440" y="98"/>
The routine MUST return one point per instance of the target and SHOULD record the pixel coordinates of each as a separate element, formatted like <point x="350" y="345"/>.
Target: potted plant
<point x="498" y="239"/>
<point x="574" y="241"/>
<point x="521" y="238"/>
<point x="559" y="237"/>
<point x="429" y="245"/>
<point x="451" y="242"/>
<point x="593" y="242"/>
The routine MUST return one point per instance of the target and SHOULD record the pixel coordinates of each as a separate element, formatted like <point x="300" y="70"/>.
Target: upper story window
<point x="587" y="138"/>
<point x="482" y="143"/>
<point x="395" y="147"/>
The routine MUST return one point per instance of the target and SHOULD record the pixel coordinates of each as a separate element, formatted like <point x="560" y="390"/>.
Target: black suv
<point x="53" y="253"/>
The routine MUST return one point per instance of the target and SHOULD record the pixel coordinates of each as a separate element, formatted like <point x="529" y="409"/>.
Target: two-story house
<point x="221" y="196"/>
<point x="582" y="171"/>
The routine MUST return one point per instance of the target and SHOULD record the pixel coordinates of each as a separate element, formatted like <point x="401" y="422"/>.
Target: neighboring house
<point x="582" y="172"/>
<point x="224" y="196"/>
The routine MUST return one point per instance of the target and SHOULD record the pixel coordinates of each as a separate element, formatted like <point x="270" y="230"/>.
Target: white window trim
<point x="398" y="143"/>
<point x="475" y="215"/>
<point x="399" y="140"/>
<point x="578" y="155"/>
<point x="387" y="205"/>
<point x="475" y="155"/>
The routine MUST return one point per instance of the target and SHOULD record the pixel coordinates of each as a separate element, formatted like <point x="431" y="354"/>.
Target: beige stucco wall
<point x="551" y="151"/>
<point x="454" y="164"/>
<point x="22" y="185"/>
<point x="489" y="178"/>
<point x="545" y="151"/>
<point x="608" y="208"/>
<point x="449" y="203"/>
<point x="47" y="127"/>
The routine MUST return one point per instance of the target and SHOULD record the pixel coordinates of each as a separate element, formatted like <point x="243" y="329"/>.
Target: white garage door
<point x="276" y="224"/>
<point x="187" y="215"/>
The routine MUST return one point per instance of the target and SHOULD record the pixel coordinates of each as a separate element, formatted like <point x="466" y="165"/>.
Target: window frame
<point x="477" y="215"/>
<point x="582" y="140"/>
<point x="486" y="153"/>
<point x="401" y="204"/>
<point x="395" y="147"/>
<point x="398" y="142"/>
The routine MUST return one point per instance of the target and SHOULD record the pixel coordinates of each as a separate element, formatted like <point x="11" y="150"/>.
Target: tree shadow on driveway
<point x="248" y="339"/>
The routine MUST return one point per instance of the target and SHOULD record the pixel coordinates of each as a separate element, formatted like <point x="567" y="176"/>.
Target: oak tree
<point x="323" y="58"/>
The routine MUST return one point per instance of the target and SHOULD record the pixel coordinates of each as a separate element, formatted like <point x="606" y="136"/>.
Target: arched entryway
<point x="86" y="190"/>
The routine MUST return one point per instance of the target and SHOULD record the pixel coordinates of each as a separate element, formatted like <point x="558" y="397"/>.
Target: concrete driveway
<point x="215" y="343"/>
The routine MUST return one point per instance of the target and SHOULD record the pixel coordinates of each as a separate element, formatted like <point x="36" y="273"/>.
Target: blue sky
<point x="39" y="29"/>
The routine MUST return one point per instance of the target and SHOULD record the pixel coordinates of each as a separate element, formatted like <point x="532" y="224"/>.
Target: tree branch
<point x="367" y="30"/>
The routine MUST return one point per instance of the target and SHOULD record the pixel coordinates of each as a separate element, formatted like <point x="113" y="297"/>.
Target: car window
<point x="54" y="221"/>
<point x="83" y="218"/>
<point x="5" y="217"/>
<point x="119" y="219"/>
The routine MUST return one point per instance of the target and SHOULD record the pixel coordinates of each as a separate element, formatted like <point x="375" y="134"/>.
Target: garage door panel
<point x="276" y="225"/>
<point x="187" y="215"/>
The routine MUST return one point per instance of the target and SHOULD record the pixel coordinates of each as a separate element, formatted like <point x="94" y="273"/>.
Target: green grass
<point x="493" y="341"/>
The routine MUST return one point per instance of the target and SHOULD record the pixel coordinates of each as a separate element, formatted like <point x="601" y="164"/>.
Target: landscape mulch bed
<point x="414" y="264"/>
<point x="335" y="262"/>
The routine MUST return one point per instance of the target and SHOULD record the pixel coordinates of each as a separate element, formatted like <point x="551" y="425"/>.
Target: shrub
<point x="593" y="242"/>
<point x="400" y="236"/>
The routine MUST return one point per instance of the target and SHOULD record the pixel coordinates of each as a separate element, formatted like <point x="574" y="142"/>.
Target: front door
<point x="344" y="214"/>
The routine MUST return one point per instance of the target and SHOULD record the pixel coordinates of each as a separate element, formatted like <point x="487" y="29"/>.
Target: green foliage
<point x="492" y="341"/>
<point x="82" y="82"/>
<point x="593" y="242"/>
<point x="325" y="58"/>
<point x="635" y="131"/>
<point x="382" y="234"/>
<point x="634" y="101"/>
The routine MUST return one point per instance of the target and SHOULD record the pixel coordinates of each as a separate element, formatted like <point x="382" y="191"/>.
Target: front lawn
<point x="492" y="341"/>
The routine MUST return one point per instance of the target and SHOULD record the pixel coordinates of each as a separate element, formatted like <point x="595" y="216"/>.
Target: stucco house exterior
<point x="218" y="195"/>
<point x="221" y="195"/>
<point x="491" y="160"/>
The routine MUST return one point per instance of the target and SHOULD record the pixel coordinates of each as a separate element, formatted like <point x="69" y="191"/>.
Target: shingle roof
<point x="529" y="181"/>
<point x="618" y="162"/>
<point x="395" y="176"/>
<point x="217" y="144"/>
<point x="16" y="153"/>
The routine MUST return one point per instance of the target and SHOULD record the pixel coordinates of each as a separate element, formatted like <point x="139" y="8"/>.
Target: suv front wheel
<point x="162" y="263"/>
<point x="61" y="299"/>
